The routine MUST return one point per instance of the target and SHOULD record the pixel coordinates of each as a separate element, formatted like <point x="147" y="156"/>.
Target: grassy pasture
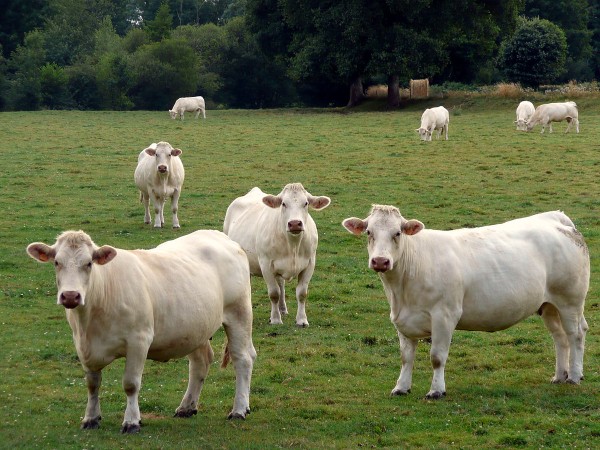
<point x="326" y="386"/>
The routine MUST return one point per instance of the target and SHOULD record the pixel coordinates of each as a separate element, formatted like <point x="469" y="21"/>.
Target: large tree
<point x="342" y="41"/>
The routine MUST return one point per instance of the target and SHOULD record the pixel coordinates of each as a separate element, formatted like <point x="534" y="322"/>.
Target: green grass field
<point x="326" y="386"/>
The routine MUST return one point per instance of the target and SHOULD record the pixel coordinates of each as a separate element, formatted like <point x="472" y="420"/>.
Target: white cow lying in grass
<point x="188" y="104"/>
<point x="524" y="112"/>
<point x="554" y="112"/>
<point x="479" y="279"/>
<point x="432" y="119"/>
<point x="280" y="238"/>
<point x="159" y="304"/>
<point x="159" y="175"/>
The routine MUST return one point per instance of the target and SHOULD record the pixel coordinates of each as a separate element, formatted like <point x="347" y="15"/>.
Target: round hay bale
<point x="419" y="88"/>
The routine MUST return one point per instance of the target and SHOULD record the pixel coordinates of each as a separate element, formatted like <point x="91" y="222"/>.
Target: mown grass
<point x="326" y="386"/>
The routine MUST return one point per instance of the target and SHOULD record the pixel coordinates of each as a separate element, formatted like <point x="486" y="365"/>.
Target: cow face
<point x="173" y="114"/>
<point x="385" y="227"/>
<point x="162" y="153"/>
<point x="293" y="203"/>
<point x="424" y="133"/>
<point x="521" y="124"/>
<point x="74" y="255"/>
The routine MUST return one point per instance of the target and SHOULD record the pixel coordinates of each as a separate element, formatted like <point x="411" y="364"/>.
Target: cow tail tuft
<point x="226" y="356"/>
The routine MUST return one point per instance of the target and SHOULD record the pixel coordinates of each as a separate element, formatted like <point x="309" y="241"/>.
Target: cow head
<point x="173" y="114"/>
<point x="424" y="133"/>
<point x="293" y="202"/>
<point x="521" y="124"/>
<point x="385" y="227"/>
<point x="74" y="255"/>
<point x="163" y="153"/>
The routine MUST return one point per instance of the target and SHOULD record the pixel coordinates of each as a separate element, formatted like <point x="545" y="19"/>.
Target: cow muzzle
<point x="380" y="264"/>
<point x="163" y="169"/>
<point x="295" y="226"/>
<point x="70" y="299"/>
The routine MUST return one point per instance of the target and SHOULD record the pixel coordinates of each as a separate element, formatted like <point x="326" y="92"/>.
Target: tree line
<point x="144" y="54"/>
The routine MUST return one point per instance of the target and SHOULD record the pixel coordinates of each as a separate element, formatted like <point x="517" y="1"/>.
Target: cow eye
<point x="283" y="205"/>
<point x="306" y="204"/>
<point x="89" y="265"/>
<point x="398" y="233"/>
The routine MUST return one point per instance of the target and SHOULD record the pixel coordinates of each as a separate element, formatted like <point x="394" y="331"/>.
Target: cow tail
<point x="226" y="355"/>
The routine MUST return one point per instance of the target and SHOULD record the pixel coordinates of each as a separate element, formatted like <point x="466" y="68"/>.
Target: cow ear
<point x="176" y="152"/>
<point x="319" y="203"/>
<point x="41" y="252"/>
<point x="355" y="225"/>
<point x="412" y="227"/>
<point x="150" y="151"/>
<point x="272" y="201"/>
<point x="104" y="254"/>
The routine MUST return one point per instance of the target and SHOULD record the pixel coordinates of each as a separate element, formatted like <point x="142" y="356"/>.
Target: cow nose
<point x="295" y="226"/>
<point x="162" y="168"/>
<point x="380" y="264"/>
<point x="70" y="299"/>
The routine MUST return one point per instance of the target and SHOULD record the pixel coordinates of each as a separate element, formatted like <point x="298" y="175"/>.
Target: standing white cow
<point x="161" y="304"/>
<point x="524" y="112"/>
<point x="432" y="119"/>
<point x="280" y="238"/>
<point x="159" y="175"/>
<point x="188" y="104"/>
<point x="555" y="112"/>
<point x="479" y="279"/>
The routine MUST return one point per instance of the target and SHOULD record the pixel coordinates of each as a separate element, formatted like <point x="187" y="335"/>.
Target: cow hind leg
<point x="175" y="208"/>
<point x="561" y="344"/>
<point x="301" y="295"/>
<point x="575" y="328"/>
<point x="92" y="411"/>
<point x="238" y="327"/>
<point x="282" y="304"/>
<point x="146" y="201"/>
<point x="200" y="361"/>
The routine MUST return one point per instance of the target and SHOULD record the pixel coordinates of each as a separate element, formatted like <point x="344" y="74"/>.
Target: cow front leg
<point x="175" y="207"/>
<point x="200" y="361"/>
<point x="442" y="326"/>
<point x="92" y="412"/>
<point x="274" y="294"/>
<point x="282" y="304"/>
<point x="302" y="293"/>
<point x="132" y="382"/>
<point x="408" y="348"/>
<point x="158" y="204"/>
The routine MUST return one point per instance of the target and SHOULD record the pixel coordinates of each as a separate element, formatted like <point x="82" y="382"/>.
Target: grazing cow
<point x="280" y="238"/>
<point x="188" y="104"/>
<point x="159" y="175"/>
<point x="161" y="304"/>
<point x="555" y="112"/>
<point x="432" y="119"/>
<point x="479" y="279"/>
<point x="524" y="112"/>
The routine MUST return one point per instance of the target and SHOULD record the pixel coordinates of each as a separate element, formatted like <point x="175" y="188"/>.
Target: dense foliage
<point x="142" y="54"/>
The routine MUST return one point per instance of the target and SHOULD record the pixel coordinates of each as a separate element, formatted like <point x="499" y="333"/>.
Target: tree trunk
<point x="357" y="93"/>
<point x="393" y="94"/>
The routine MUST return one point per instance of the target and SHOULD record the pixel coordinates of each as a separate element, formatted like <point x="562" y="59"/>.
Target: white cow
<point x="280" y="238"/>
<point x="554" y="112"/>
<point x="159" y="175"/>
<point x="524" y="112"/>
<point x="161" y="304"/>
<point x="188" y="104"/>
<point x="432" y="119"/>
<point x="479" y="279"/>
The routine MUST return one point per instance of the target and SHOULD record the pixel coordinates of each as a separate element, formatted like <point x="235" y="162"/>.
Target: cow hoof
<point x="436" y="395"/>
<point x="176" y="227"/>
<point x="130" y="428"/>
<point x="276" y="322"/>
<point x="302" y="325"/>
<point x="91" y="424"/>
<point x="396" y="392"/>
<point x="186" y="413"/>
<point x="236" y="415"/>
<point x="571" y="381"/>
